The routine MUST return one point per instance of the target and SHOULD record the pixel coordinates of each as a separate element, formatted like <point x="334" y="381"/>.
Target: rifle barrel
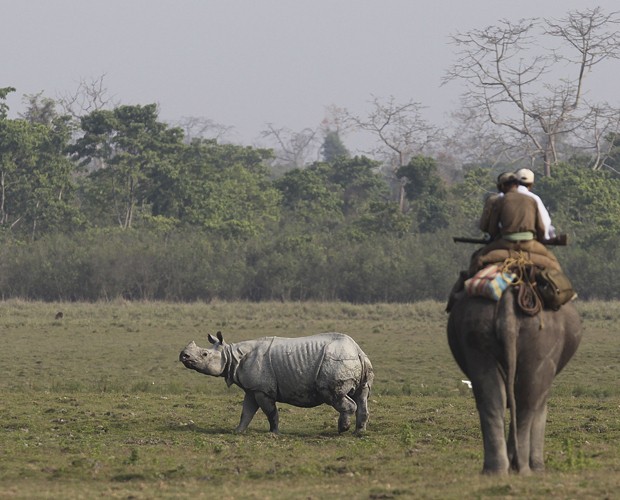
<point x="560" y="240"/>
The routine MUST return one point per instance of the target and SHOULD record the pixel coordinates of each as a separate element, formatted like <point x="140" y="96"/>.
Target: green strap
<point x="525" y="236"/>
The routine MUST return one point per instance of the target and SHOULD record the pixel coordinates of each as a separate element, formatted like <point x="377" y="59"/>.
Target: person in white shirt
<point x="526" y="180"/>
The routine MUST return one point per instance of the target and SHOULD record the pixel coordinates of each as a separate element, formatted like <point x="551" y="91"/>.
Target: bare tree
<point x="292" y="148"/>
<point x="520" y="85"/>
<point x="90" y="95"/>
<point x="401" y="132"/>
<point x="474" y="140"/>
<point x="205" y="128"/>
<point x="598" y="133"/>
<point x="336" y="119"/>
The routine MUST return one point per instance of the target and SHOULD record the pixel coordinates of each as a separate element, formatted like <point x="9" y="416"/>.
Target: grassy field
<point x="96" y="404"/>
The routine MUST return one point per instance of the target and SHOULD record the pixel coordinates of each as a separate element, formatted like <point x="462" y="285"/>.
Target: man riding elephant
<point x="515" y="228"/>
<point x="515" y="224"/>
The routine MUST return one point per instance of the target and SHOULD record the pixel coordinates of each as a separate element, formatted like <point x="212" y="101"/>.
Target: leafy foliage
<point x="333" y="148"/>
<point x="308" y="197"/>
<point x="134" y="150"/>
<point x="4" y="91"/>
<point x="585" y="201"/>
<point x="137" y="212"/>
<point x="36" y="178"/>
<point x="221" y="188"/>
<point x="427" y="193"/>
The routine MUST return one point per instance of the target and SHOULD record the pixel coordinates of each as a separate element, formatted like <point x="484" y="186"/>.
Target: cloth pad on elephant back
<point x="489" y="282"/>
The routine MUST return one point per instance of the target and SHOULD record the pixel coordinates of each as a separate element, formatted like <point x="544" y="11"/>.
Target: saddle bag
<point x="554" y="287"/>
<point x="489" y="282"/>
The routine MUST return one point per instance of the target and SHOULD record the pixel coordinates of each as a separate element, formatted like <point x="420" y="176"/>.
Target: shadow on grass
<point x="304" y="434"/>
<point x="195" y="429"/>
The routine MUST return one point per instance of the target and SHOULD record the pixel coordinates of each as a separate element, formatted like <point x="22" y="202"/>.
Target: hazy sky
<point x="245" y="63"/>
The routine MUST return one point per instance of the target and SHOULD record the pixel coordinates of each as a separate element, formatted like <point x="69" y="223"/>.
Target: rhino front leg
<point x="268" y="406"/>
<point x="250" y="406"/>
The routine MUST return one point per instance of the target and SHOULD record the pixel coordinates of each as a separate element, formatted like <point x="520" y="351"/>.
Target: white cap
<point x="525" y="176"/>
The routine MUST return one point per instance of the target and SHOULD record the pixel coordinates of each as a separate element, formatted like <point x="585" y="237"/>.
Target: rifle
<point x="560" y="240"/>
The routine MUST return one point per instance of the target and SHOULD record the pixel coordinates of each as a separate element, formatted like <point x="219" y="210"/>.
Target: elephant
<point x="511" y="360"/>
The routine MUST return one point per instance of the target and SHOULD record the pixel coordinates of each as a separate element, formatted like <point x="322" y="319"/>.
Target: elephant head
<point x="511" y="359"/>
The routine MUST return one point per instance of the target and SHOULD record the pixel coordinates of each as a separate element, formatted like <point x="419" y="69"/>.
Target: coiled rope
<point x="522" y="266"/>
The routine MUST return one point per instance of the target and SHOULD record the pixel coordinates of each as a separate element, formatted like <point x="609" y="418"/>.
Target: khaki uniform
<point x="515" y="215"/>
<point x="488" y="210"/>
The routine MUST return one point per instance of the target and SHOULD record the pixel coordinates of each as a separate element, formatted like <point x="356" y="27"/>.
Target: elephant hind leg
<point x="520" y="463"/>
<point x="532" y="416"/>
<point x="537" y="440"/>
<point x="490" y="395"/>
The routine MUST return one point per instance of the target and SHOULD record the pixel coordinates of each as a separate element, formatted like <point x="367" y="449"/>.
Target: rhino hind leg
<point x="250" y="407"/>
<point x="347" y="408"/>
<point x="268" y="405"/>
<point x="361" y="414"/>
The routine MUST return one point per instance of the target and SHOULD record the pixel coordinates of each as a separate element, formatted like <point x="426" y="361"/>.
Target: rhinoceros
<point x="328" y="368"/>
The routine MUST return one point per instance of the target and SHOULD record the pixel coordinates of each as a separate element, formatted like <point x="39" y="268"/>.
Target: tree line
<point x="128" y="208"/>
<point x="100" y="200"/>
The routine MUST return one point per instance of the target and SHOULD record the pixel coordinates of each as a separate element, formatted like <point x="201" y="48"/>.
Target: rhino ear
<point x="219" y="337"/>
<point x="212" y="339"/>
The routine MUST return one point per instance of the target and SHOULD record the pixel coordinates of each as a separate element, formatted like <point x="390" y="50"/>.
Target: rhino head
<point x="207" y="361"/>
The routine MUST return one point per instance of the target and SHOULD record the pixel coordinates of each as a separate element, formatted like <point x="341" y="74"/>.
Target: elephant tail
<point x="507" y="331"/>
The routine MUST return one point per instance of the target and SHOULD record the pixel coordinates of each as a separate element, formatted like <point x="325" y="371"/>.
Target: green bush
<point x="186" y="265"/>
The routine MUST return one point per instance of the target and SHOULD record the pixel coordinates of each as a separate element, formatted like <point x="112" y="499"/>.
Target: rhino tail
<point x="367" y="371"/>
<point x="507" y="330"/>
